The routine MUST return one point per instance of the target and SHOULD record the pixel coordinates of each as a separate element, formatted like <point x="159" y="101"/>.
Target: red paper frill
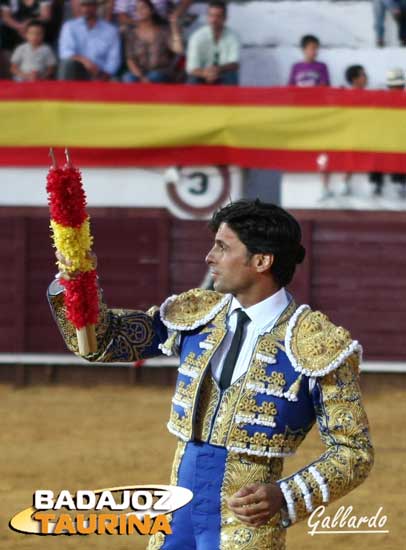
<point x="81" y="299"/>
<point x="66" y="196"/>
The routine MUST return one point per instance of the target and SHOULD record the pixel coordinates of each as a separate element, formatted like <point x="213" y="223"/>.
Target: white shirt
<point x="263" y="317"/>
<point x="203" y="49"/>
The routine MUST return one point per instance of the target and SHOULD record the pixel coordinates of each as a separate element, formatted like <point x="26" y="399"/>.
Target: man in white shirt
<point x="256" y="372"/>
<point x="213" y="53"/>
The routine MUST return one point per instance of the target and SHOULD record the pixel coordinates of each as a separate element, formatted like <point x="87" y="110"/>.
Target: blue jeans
<point x="156" y="76"/>
<point x="380" y="7"/>
<point x="229" y="78"/>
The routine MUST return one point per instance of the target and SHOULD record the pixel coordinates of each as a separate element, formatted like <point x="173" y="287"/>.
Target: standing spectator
<point x="16" y="14"/>
<point x="309" y="72"/>
<point x="395" y="81"/>
<point x="357" y="79"/>
<point x="213" y="53"/>
<point x="152" y="46"/>
<point x="33" y="60"/>
<point x="380" y="8"/>
<point x="399" y="13"/>
<point x="89" y="47"/>
<point x="126" y="10"/>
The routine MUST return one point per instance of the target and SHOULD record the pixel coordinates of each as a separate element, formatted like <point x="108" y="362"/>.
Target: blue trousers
<point x="230" y="78"/>
<point x="196" y="526"/>
<point x="156" y="77"/>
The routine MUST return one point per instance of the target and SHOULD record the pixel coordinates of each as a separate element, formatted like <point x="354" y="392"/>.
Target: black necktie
<point x="231" y="357"/>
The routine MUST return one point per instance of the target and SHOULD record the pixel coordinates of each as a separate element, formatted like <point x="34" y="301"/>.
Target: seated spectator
<point x="33" y="60"/>
<point x="126" y="10"/>
<point x="16" y="14"/>
<point x="89" y="47"/>
<point x="104" y="9"/>
<point x="309" y="72"/>
<point x="213" y="52"/>
<point x="151" y="46"/>
<point x="356" y="77"/>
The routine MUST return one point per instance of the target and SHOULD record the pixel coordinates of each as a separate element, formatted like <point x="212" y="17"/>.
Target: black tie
<point x="231" y="357"/>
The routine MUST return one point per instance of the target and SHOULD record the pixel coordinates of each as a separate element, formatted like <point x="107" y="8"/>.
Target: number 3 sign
<point x="198" y="191"/>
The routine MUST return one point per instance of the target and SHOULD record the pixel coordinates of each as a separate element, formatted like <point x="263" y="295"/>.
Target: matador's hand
<point x="64" y="263"/>
<point x="255" y="504"/>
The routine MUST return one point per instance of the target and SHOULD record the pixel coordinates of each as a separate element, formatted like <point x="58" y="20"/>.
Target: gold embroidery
<point x="261" y="444"/>
<point x="122" y="335"/>
<point x="344" y="430"/>
<point x="180" y="425"/>
<point x="279" y="330"/>
<point x="250" y="410"/>
<point x="188" y="394"/>
<point x="192" y="308"/>
<point x="240" y="472"/>
<point x="208" y="399"/>
<point x="267" y="345"/>
<point x="225" y="414"/>
<point x="156" y="541"/>
<point x="185" y="392"/>
<point x="258" y="380"/>
<point x="316" y="343"/>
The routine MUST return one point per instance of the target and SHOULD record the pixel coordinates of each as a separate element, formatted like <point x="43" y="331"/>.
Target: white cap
<point x="395" y="77"/>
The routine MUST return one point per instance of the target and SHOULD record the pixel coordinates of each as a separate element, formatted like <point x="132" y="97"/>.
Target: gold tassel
<point x="293" y="390"/>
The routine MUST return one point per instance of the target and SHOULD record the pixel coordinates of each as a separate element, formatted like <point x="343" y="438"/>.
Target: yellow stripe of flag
<point x="137" y="125"/>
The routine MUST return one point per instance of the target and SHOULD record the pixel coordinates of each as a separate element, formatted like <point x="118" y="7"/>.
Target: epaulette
<point x="314" y="345"/>
<point x="192" y="309"/>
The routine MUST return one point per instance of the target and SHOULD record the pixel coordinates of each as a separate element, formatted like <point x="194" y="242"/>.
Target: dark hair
<point x="155" y="15"/>
<point x="218" y="4"/>
<point x="36" y="23"/>
<point x="265" y="228"/>
<point x="308" y="39"/>
<point x="353" y="72"/>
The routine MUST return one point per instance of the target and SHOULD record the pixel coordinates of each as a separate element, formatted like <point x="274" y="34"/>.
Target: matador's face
<point x="230" y="264"/>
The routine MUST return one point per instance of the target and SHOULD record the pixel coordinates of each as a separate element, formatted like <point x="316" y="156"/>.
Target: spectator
<point x="309" y="72"/>
<point x="213" y="53"/>
<point x="356" y="77"/>
<point x="395" y="80"/>
<point x="16" y="14"/>
<point x="151" y="46"/>
<point x="33" y="60"/>
<point x="380" y="8"/>
<point x="399" y="13"/>
<point x="89" y="47"/>
<point x="104" y="9"/>
<point x="126" y="10"/>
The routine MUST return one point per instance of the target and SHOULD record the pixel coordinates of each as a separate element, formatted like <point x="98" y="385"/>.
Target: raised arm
<point x="122" y="335"/>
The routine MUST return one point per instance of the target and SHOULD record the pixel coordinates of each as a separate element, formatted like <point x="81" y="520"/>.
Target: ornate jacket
<point x="303" y="370"/>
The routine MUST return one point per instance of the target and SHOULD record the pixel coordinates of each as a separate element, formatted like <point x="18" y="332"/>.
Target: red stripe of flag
<point x="199" y="95"/>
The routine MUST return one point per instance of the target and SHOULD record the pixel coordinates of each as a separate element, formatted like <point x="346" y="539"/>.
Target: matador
<point x="256" y="372"/>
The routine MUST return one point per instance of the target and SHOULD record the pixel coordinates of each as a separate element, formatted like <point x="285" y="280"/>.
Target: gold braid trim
<point x="314" y="345"/>
<point x="192" y="309"/>
<point x="235" y="535"/>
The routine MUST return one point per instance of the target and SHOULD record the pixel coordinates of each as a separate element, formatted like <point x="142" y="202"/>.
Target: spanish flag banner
<point x="113" y="124"/>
